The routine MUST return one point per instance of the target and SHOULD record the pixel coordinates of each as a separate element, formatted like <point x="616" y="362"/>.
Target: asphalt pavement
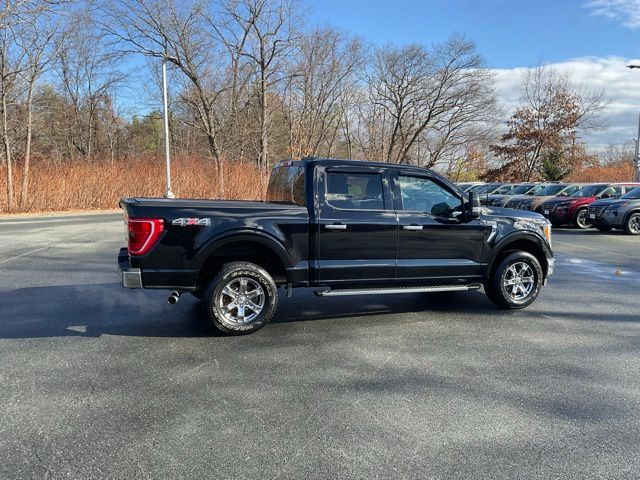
<point x="100" y="382"/>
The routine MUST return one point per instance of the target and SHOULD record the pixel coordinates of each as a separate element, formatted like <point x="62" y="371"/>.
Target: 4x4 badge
<point x="184" y="222"/>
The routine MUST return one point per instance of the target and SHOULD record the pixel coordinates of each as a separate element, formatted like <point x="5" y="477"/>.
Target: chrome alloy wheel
<point x="241" y="300"/>
<point x="581" y="219"/>
<point x="519" y="281"/>
<point x="634" y="224"/>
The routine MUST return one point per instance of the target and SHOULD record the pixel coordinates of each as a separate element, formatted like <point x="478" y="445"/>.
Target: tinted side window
<point x="360" y="191"/>
<point x="424" y="195"/>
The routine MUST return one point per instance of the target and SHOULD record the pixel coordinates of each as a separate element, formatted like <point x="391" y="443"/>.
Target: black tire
<point x="495" y="287"/>
<point x="226" y="290"/>
<point x="604" y="229"/>
<point x="580" y="219"/>
<point x="632" y="224"/>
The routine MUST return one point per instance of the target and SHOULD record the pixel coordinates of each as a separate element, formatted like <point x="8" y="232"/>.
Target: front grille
<point x="525" y="206"/>
<point x="595" y="210"/>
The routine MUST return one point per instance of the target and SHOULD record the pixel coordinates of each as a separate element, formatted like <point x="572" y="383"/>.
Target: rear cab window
<point x="286" y="184"/>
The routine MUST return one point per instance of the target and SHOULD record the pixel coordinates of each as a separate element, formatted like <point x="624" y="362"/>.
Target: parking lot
<point x="98" y="381"/>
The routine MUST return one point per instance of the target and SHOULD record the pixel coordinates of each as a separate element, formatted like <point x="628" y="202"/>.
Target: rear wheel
<point x="241" y="299"/>
<point x="632" y="225"/>
<point x="580" y="219"/>
<point x="516" y="281"/>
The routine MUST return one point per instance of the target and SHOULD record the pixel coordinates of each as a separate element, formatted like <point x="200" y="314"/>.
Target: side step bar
<point x="384" y="291"/>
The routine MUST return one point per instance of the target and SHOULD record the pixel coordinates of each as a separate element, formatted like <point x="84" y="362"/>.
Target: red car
<point x="572" y="210"/>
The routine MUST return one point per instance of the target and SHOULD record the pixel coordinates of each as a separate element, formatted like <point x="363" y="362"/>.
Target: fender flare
<point x="517" y="236"/>
<point x="245" y="235"/>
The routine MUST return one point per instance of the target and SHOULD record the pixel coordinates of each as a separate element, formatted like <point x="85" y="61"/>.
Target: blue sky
<point x="509" y="33"/>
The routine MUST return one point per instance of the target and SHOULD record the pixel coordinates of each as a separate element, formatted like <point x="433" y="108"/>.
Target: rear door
<point x="357" y="226"/>
<point x="435" y="245"/>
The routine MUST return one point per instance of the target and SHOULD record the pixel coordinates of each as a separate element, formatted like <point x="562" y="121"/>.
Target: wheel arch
<point x="249" y="246"/>
<point x="520" y="242"/>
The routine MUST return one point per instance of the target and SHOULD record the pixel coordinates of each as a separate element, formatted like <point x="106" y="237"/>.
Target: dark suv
<point x="622" y="213"/>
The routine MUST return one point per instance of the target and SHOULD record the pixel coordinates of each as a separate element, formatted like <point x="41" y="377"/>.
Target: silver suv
<point x="622" y="213"/>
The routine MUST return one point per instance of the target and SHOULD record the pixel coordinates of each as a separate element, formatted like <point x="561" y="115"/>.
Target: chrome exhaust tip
<point x="174" y="297"/>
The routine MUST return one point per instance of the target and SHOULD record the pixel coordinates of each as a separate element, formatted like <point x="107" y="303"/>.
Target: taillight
<point x="143" y="234"/>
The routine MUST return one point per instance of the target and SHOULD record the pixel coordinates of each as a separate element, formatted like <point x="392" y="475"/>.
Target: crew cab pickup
<point x="341" y="227"/>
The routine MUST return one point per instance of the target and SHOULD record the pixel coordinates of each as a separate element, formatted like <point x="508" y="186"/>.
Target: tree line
<point x="251" y="82"/>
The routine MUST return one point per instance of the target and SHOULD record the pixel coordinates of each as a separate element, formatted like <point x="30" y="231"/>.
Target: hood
<point x="569" y="200"/>
<point x="511" y="214"/>
<point x="605" y="202"/>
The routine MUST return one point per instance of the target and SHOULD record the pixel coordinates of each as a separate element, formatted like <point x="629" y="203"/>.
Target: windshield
<point x="536" y="189"/>
<point x="521" y="189"/>
<point x="589" y="191"/>
<point x="551" y="190"/>
<point x="504" y="189"/>
<point x="476" y="188"/>
<point x="632" y="195"/>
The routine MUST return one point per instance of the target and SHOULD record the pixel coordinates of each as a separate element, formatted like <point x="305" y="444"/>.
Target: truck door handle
<point x="336" y="226"/>
<point x="413" y="228"/>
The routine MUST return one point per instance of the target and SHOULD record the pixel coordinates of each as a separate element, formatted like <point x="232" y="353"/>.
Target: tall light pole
<point x="168" y="193"/>
<point x="636" y="158"/>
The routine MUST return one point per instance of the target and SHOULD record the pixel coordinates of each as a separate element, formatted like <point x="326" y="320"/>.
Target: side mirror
<point x="472" y="207"/>
<point x="563" y="194"/>
<point x="604" y="195"/>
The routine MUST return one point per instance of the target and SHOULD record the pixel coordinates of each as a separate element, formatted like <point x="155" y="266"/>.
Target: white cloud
<point x="626" y="12"/>
<point x="621" y="87"/>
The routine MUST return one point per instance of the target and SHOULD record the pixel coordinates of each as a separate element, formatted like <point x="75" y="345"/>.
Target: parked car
<point x="500" y="200"/>
<point x="622" y="213"/>
<point x="534" y="202"/>
<point x="343" y="227"/>
<point x="465" y="186"/>
<point x="572" y="210"/>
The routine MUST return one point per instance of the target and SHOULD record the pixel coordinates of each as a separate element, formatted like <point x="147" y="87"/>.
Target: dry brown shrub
<point x="615" y="172"/>
<point x="96" y="184"/>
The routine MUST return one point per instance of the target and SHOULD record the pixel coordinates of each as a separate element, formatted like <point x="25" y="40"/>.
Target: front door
<point x="435" y="243"/>
<point x="357" y="226"/>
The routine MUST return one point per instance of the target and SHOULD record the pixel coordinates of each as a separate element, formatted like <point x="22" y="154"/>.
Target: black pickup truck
<point x="342" y="227"/>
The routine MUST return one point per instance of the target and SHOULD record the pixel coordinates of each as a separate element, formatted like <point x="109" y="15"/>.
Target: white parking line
<point x="49" y="245"/>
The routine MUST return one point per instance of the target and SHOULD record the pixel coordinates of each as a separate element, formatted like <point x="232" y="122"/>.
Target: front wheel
<point x="516" y="281"/>
<point x="632" y="225"/>
<point x="241" y="299"/>
<point x="580" y="219"/>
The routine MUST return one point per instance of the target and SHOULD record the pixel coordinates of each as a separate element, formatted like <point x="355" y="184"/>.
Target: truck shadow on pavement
<point x="91" y="310"/>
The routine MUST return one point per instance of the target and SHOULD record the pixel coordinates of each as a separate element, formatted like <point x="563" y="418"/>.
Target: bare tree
<point x="175" y="32"/>
<point x="326" y="66"/>
<point x="429" y="97"/>
<point x="272" y="28"/>
<point x="36" y="40"/>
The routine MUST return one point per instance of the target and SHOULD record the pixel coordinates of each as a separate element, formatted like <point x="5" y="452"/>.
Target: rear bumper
<point x="129" y="277"/>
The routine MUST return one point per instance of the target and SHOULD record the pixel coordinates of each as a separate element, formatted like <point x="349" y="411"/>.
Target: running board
<point x="384" y="291"/>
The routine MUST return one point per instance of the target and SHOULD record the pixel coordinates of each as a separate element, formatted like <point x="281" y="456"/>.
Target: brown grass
<point x="616" y="172"/>
<point x="96" y="184"/>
